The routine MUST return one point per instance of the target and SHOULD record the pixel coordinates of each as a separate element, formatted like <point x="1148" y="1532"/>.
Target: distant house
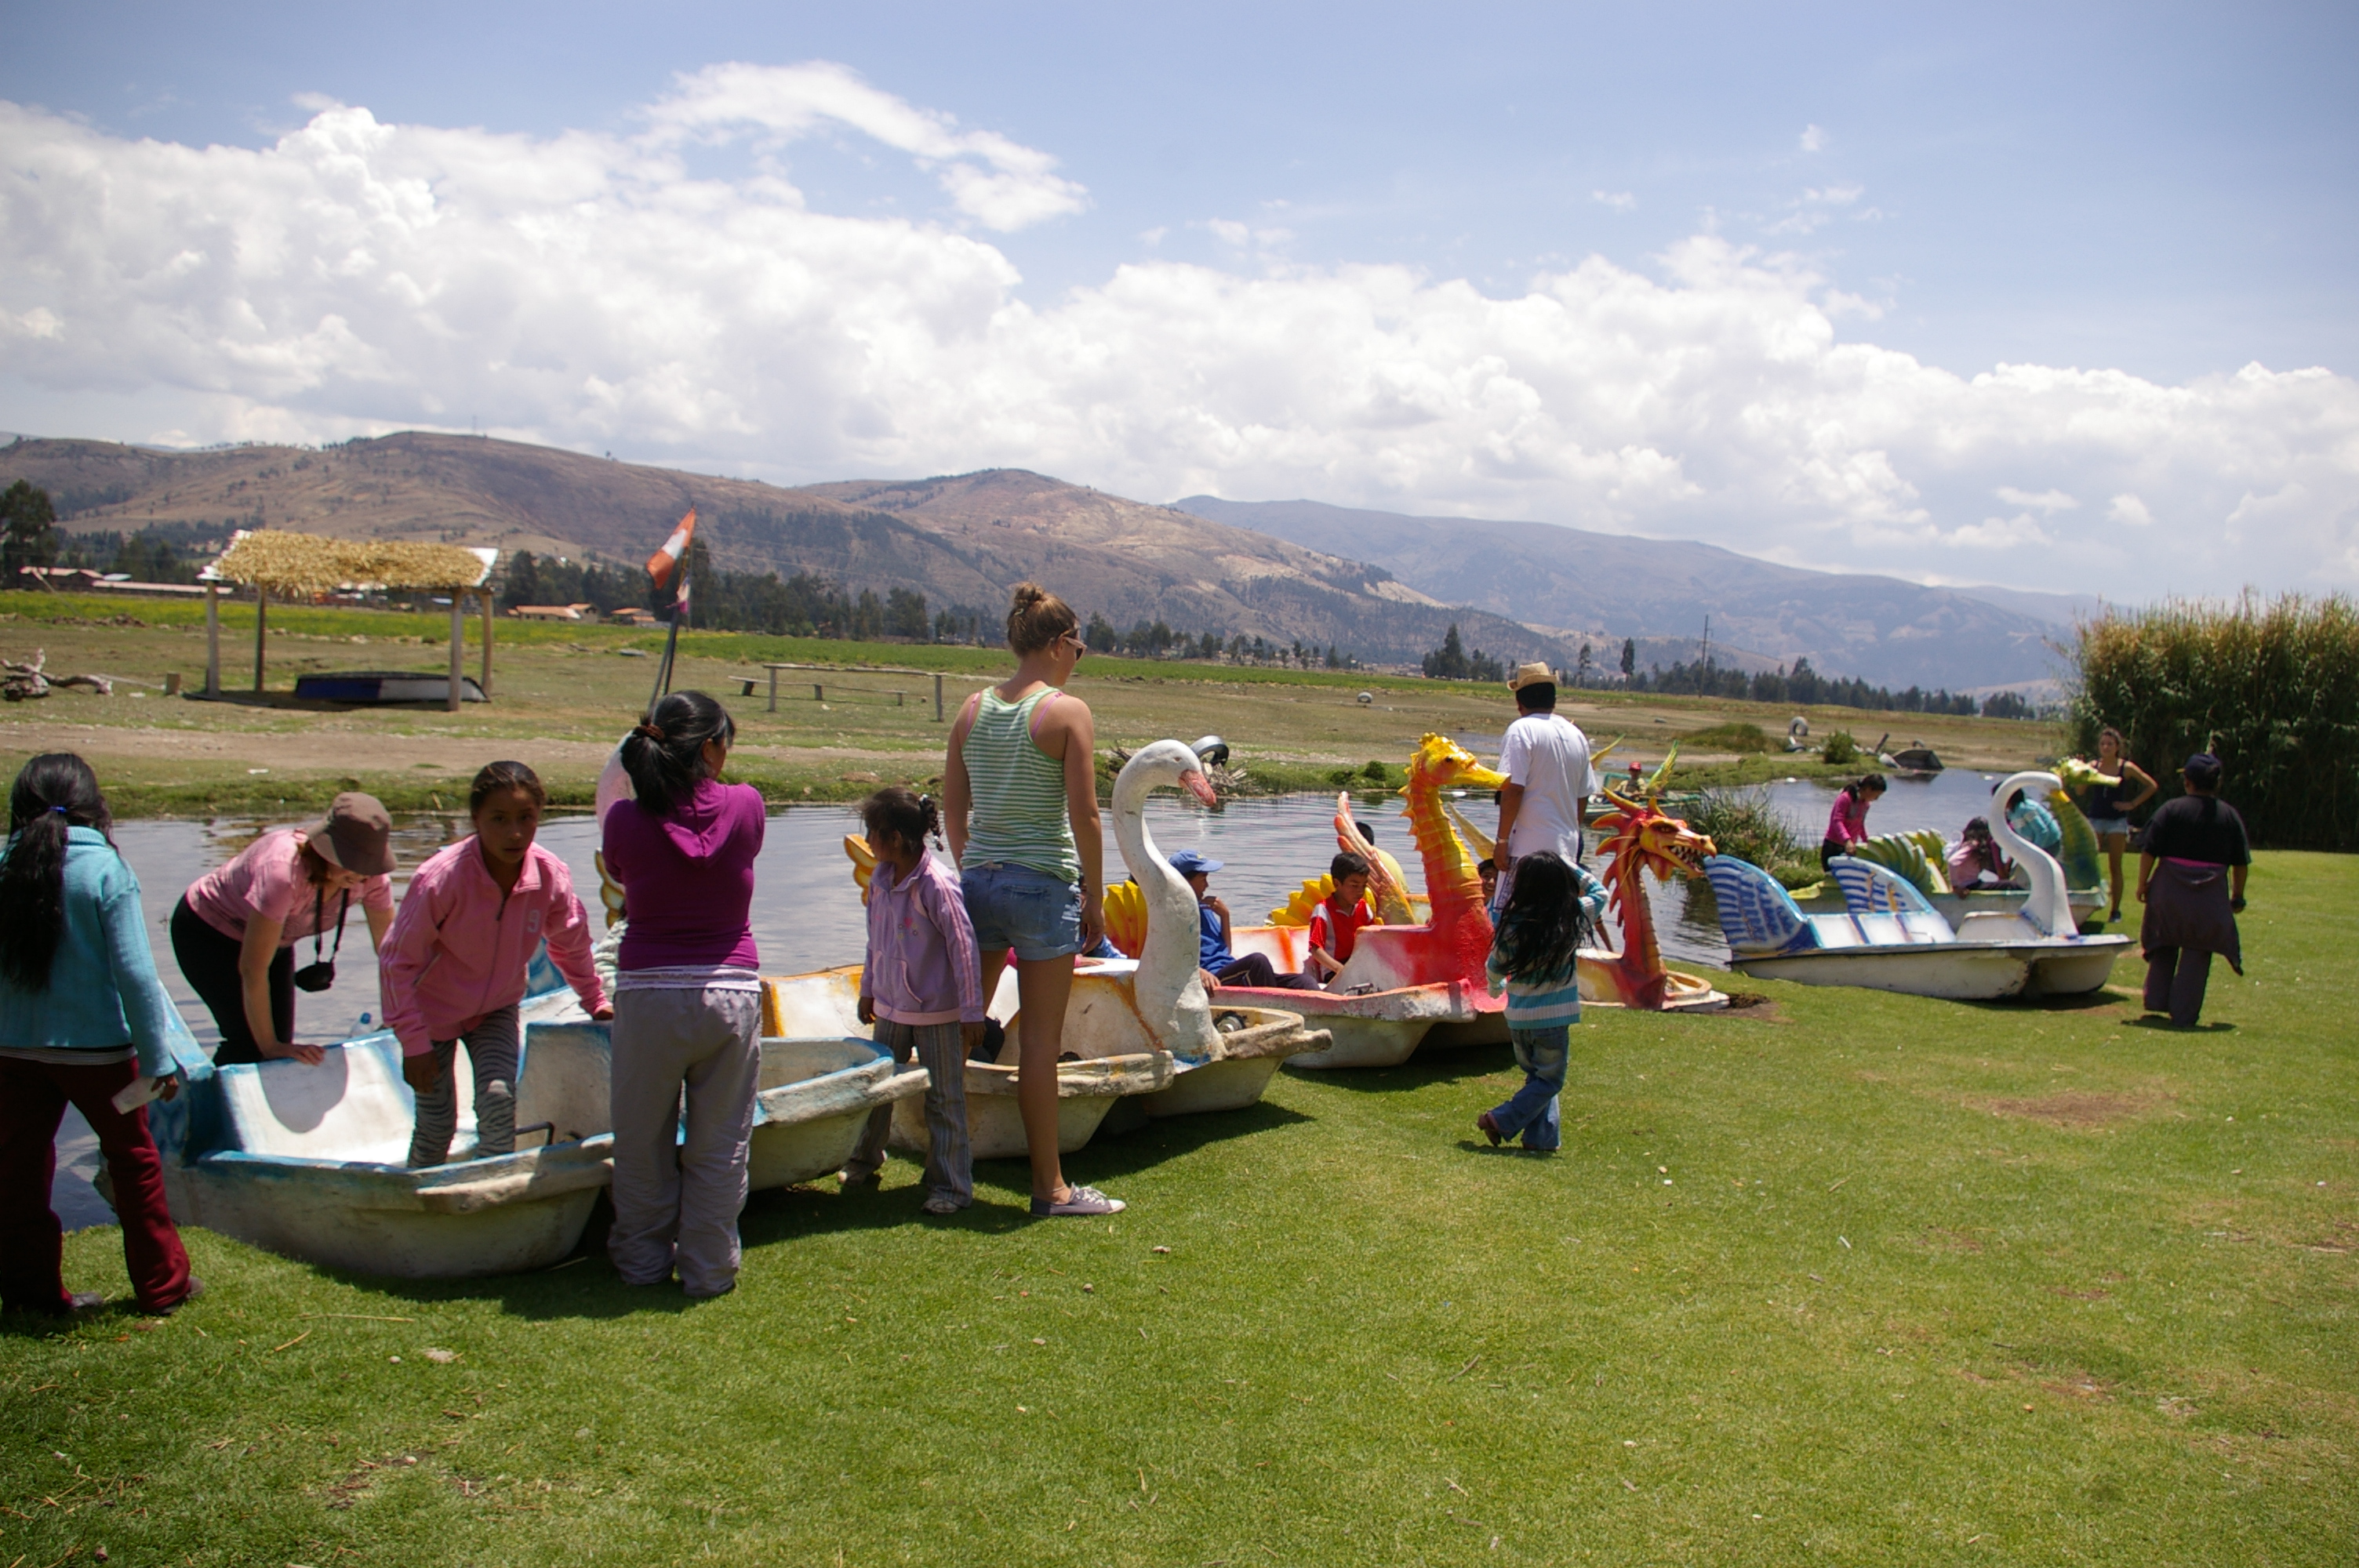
<point x="551" y="612"/>
<point x="633" y="616"/>
<point x="65" y="579"/>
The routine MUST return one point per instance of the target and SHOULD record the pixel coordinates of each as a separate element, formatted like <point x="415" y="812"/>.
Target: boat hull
<point x="306" y="1160"/>
<point x="1249" y="1057"/>
<point x="1086" y="1091"/>
<point x="1379" y="1029"/>
<point x="814" y="1102"/>
<point x="1952" y="971"/>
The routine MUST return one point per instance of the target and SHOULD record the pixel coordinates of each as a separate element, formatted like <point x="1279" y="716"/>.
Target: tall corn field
<point x="2272" y="687"/>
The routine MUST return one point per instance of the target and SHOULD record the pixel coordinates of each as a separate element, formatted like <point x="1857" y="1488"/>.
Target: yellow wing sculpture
<point x="1296" y="910"/>
<point x="1126" y="918"/>
<point x="1485" y="846"/>
<point x="864" y="862"/>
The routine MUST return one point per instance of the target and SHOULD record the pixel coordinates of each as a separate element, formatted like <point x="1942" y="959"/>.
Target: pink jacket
<point x="922" y="967"/>
<point x="1847" y="823"/>
<point x="459" y="947"/>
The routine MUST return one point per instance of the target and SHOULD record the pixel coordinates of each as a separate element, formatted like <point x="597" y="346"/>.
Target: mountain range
<point x="1381" y="586"/>
<point x="1601" y="588"/>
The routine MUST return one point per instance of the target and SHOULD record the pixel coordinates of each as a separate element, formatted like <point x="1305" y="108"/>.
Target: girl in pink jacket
<point x="453" y="966"/>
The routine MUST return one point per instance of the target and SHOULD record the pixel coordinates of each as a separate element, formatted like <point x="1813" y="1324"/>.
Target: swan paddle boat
<point x="1890" y="937"/>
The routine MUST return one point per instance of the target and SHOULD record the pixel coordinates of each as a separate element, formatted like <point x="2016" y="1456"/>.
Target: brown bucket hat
<point x="356" y="835"/>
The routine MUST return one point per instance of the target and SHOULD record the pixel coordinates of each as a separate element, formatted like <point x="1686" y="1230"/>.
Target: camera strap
<point x="320" y="907"/>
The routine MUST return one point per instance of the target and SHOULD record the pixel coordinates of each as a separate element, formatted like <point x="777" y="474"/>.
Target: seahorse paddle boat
<point x="1891" y="939"/>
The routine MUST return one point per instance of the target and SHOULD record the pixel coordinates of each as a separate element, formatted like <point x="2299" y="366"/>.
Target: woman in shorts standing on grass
<point x="688" y="1000"/>
<point x="2108" y="807"/>
<point x="1020" y="792"/>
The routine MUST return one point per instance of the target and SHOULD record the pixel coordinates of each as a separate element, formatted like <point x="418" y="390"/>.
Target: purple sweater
<point x="921" y="967"/>
<point x="688" y="879"/>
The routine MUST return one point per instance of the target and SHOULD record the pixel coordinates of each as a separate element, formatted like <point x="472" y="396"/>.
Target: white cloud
<point x="1620" y="200"/>
<point x="2128" y="509"/>
<point x="999" y="183"/>
<point x="2045" y="500"/>
<point x="1813" y="139"/>
<point x="597" y="291"/>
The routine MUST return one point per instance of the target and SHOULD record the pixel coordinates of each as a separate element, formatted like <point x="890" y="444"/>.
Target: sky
<point x="2051" y="296"/>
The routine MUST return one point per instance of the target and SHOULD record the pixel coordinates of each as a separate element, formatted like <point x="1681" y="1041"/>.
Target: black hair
<point x="1347" y="865"/>
<point x="53" y="793"/>
<point x="1540" y="696"/>
<point x="896" y="809"/>
<point x="1867" y="782"/>
<point x="1365" y="831"/>
<point x="498" y="776"/>
<point x="1978" y="828"/>
<point x="665" y="755"/>
<point x="2204" y="773"/>
<point x="1542" y="928"/>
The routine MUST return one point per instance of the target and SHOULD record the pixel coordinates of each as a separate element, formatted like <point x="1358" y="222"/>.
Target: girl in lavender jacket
<point x="922" y="987"/>
<point x="453" y="966"/>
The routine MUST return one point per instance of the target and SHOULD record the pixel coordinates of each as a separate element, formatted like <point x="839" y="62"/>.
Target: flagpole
<point x="671" y="564"/>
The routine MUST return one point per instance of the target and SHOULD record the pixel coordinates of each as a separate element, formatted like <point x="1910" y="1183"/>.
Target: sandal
<point x="941" y="1203"/>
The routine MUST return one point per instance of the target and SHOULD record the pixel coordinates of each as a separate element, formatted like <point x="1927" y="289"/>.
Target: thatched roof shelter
<point x="275" y="561"/>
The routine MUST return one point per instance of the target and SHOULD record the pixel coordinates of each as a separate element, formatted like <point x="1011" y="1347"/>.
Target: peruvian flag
<point x="666" y="561"/>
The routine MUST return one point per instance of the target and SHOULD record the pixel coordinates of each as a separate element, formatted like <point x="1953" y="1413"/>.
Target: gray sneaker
<point x="1080" y="1203"/>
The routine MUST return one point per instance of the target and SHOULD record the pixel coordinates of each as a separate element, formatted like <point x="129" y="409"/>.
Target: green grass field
<point x="562" y="694"/>
<point x="1871" y="1280"/>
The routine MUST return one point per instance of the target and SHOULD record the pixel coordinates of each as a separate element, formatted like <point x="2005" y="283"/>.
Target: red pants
<point x="33" y="1097"/>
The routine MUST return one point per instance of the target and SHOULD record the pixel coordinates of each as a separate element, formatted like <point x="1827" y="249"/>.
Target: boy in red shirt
<point x="1335" y="923"/>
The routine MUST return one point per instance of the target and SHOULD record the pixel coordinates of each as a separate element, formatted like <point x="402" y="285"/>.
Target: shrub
<point x="1731" y="737"/>
<point x="1743" y="823"/>
<point x="1840" y="748"/>
<point x="1377" y="773"/>
<point x="2272" y="687"/>
<point x="1341" y="777"/>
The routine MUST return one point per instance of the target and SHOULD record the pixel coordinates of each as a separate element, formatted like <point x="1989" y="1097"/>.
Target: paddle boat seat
<point x="1759" y="918"/>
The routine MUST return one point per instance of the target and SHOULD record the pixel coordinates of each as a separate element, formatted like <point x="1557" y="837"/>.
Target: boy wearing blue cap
<point x="1221" y="966"/>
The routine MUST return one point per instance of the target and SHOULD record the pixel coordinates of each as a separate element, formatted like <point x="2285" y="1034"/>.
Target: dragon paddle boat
<point x="1890" y="936"/>
<point x="1640" y="839"/>
<point x="1402" y="982"/>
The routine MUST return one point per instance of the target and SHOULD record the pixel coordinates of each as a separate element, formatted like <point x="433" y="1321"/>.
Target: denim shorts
<point x="1015" y="906"/>
<point x="2101" y="826"/>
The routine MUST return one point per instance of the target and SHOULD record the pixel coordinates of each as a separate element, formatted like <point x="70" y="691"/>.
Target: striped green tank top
<point x="1018" y="814"/>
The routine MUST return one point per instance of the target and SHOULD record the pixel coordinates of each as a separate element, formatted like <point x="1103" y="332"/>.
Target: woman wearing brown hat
<point x="234" y="930"/>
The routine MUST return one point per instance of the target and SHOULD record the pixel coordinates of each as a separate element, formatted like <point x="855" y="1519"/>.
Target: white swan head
<point x="1169" y="989"/>
<point x="1164" y="762"/>
<point x="2047" y="908"/>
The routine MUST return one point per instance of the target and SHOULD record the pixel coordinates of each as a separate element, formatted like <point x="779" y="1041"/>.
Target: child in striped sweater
<point x="1534" y="958"/>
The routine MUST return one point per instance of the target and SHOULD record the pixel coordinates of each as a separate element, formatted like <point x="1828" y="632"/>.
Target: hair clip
<point x="62" y="810"/>
<point x="649" y="730"/>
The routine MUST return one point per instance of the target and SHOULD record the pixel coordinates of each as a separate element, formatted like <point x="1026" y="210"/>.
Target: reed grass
<point x="2270" y="686"/>
<point x="1743" y="823"/>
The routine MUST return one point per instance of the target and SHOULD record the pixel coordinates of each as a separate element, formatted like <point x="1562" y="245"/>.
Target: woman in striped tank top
<point x="1019" y="790"/>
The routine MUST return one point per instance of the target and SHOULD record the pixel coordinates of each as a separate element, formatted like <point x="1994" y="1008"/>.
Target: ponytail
<point x="665" y="754"/>
<point x="906" y="815"/>
<point x="55" y="792"/>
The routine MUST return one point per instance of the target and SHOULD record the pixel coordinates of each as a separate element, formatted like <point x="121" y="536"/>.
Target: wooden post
<point x="458" y="647"/>
<point x="938" y="699"/>
<point x="774" y="689"/>
<point x="261" y="624"/>
<point x="819" y="692"/>
<point x="212" y="639"/>
<point x="487" y="643"/>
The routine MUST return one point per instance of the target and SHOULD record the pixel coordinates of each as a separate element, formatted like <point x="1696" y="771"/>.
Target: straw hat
<point x="1531" y="674"/>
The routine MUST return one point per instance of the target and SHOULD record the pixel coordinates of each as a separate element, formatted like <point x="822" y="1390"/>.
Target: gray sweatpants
<point x="950" y="1163"/>
<point x="676" y="1198"/>
<point x="491" y="1053"/>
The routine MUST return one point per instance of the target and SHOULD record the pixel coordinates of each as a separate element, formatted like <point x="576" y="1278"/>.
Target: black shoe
<point x="1489" y="1127"/>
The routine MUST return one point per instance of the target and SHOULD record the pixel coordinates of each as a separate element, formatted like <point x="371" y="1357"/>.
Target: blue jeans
<point x="1532" y="1109"/>
<point x="1015" y="906"/>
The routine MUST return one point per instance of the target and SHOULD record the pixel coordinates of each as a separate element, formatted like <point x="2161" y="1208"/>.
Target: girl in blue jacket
<point x="83" y="1019"/>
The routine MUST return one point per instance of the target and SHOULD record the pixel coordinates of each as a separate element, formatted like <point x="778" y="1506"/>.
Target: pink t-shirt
<point x="267" y="879"/>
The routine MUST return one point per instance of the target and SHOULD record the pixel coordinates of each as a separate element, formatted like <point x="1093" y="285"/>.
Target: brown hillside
<point x="962" y="540"/>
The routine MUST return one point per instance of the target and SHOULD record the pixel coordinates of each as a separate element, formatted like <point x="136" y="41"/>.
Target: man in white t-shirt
<point x="1546" y="758"/>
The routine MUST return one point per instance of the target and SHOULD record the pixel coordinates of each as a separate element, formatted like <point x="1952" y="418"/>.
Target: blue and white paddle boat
<point x="1890" y="937"/>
